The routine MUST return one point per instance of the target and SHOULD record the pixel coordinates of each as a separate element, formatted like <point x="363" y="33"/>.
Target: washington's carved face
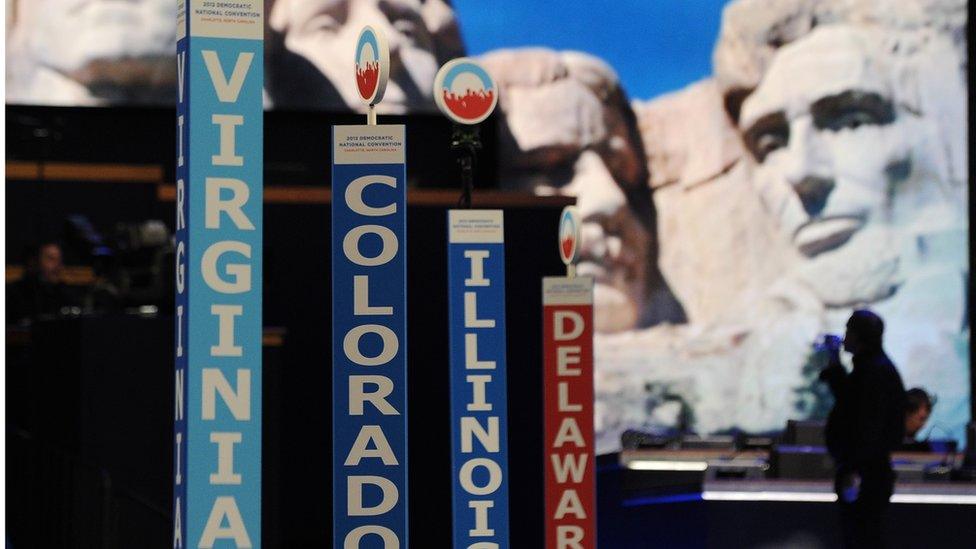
<point x="324" y="32"/>
<point x="831" y="146"/>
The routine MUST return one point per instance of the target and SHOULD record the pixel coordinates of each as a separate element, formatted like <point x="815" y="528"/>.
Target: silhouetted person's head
<point x="864" y="331"/>
<point x="918" y="410"/>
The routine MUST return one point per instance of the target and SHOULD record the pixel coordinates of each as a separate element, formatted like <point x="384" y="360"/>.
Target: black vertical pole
<point x="466" y="140"/>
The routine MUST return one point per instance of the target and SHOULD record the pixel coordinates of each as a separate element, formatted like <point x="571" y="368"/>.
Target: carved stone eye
<point x="766" y="143"/>
<point x="406" y="27"/>
<point x="767" y="135"/>
<point x="850" y="110"/>
<point x="853" y="119"/>
<point x="322" y="22"/>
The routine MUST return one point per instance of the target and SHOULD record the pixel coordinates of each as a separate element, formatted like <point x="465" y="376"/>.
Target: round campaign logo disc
<point x="372" y="65"/>
<point x="464" y="91"/>
<point x="569" y="235"/>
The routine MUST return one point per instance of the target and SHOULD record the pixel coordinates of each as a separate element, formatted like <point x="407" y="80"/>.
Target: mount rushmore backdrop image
<point x="815" y="163"/>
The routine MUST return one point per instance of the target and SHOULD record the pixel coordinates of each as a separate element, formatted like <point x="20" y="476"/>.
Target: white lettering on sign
<point x="227" y="90"/>
<point x="178" y="525"/>
<point x="471" y="361"/>
<point x="226" y="268"/>
<point x="238" y="401"/>
<point x="238" y="275"/>
<point x="371" y="443"/>
<point x="478" y="397"/>
<point x="467" y="476"/>
<point x="570" y="457"/>
<point x="358" y="395"/>
<point x="569" y="466"/>
<point x="354" y="195"/>
<point x="228" y="125"/>
<point x="559" y="325"/>
<point x="180" y="205"/>
<point x="233" y="206"/>
<point x="569" y="536"/>
<point x="225" y="339"/>
<point x="380" y="447"/>
<point x="181" y="78"/>
<point x="570" y="504"/>
<point x="180" y="370"/>
<point x="488" y="437"/>
<point x="355" y="537"/>
<point x="360" y="298"/>
<point x="225" y="510"/>
<point x="350" y="245"/>
<point x="481" y="518"/>
<point x="225" y="458"/>
<point x="485" y="430"/>
<point x="355" y="495"/>
<point x="477" y="258"/>
<point x="350" y="344"/>
<point x="179" y="124"/>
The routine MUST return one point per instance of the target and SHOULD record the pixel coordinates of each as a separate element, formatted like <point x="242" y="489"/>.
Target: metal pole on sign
<point x="466" y="140"/>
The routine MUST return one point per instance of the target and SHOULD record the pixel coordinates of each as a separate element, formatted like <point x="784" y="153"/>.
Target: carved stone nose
<point x="813" y="192"/>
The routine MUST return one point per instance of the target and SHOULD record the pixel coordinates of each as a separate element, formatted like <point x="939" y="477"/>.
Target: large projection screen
<point x="749" y="172"/>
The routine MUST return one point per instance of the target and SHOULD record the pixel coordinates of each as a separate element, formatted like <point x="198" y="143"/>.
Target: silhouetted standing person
<point x="865" y="425"/>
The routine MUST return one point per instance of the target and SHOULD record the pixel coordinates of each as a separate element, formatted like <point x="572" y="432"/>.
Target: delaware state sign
<point x="570" y="472"/>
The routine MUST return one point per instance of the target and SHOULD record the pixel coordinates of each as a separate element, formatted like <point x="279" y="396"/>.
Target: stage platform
<point x="718" y="498"/>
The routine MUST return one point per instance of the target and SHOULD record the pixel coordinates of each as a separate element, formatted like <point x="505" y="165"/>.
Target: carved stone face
<point x="324" y="33"/>
<point x="831" y="146"/>
<point x="857" y="156"/>
<point x="614" y="245"/>
<point x="567" y="133"/>
<point x="104" y="45"/>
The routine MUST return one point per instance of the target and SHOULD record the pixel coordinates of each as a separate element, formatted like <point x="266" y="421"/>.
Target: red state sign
<point x="568" y="396"/>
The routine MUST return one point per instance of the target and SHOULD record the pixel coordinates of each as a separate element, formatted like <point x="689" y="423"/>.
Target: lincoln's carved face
<point x="830" y="143"/>
<point x="856" y="155"/>
<point x="324" y="33"/>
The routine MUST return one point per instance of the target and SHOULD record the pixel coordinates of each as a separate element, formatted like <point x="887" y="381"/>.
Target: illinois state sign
<point x="479" y="397"/>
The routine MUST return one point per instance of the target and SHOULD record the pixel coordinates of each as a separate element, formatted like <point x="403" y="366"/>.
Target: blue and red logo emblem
<point x="569" y="235"/>
<point x="464" y="91"/>
<point x="372" y="65"/>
